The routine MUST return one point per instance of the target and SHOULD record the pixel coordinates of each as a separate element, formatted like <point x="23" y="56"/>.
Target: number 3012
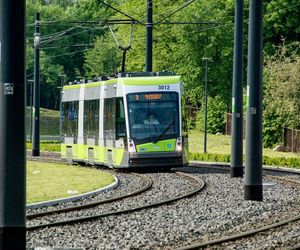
<point x="163" y="87"/>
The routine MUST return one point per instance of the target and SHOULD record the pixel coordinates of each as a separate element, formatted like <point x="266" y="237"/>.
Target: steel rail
<point x="200" y="185"/>
<point x="239" y="236"/>
<point x="147" y="184"/>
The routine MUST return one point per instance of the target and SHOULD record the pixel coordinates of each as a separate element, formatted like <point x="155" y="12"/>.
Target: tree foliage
<point x="215" y="116"/>
<point x="77" y="43"/>
<point x="281" y="95"/>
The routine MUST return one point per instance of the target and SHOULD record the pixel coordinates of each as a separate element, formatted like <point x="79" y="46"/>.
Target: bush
<point x="216" y="110"/>
<point x="281" y="96"/>
<point x="293" y="162"/>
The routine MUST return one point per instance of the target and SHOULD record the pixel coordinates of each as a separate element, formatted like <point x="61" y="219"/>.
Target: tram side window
<point x="120" y="118"/>
<point x="63" y="118"/>
<point x="69" y="118"/>
<point x="109" y="118"/>
<point x="184" y="116"/>
<point x="91" y="118"/>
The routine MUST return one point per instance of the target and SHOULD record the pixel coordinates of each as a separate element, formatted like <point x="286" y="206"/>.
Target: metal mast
<point x="253" y="171"/>
<point x="36" y="89"/>
<point x="12" y="125"/>
<point x="149" y="27"/>
<point x="236" y="169"/>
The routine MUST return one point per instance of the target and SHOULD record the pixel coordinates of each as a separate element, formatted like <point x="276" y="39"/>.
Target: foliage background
<point x="77" y="43"/>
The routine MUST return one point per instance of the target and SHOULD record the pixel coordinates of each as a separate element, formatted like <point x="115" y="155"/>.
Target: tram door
<point x="109" y="123"/>
<point x="69" y="127"/>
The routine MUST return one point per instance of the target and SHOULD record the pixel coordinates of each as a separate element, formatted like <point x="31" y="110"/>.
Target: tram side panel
<point x="184" y="126"/>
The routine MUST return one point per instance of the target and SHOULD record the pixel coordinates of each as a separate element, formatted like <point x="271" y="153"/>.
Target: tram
<point x="129" y="121"/>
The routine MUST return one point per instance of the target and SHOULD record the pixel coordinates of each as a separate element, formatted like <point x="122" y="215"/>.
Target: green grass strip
<point x="48" y="181"/>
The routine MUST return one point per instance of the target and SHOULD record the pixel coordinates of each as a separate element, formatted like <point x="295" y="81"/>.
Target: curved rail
<point x="226" y="239"/>
<point x="200" y="185"/>
<point x="146" y="185"/>
<point x="239" y="236"/>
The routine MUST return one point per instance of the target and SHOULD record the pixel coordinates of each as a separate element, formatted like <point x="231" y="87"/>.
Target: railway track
<point x="198" y="185"/>
<point x="210" y="219"/>
<point x="245" y="239"/>
<point x="147" y="184"/>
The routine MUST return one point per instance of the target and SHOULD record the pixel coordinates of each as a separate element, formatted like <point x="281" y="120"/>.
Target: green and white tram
<point x="133" y="120"/>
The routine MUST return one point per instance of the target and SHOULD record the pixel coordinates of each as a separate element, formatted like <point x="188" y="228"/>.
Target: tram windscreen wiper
<point x="163" y="133"/>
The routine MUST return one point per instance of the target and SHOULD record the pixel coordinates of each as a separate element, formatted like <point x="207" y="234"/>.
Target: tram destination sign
<point x="152" y="96"/>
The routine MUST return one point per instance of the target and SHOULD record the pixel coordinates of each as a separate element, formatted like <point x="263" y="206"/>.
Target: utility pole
<point x="36" y="92"/>
<point x="205" y="105"/>
<point x="253" y="171"/>
<point x="12" y="125"/>
<point x="236" y="169"/>
<point x="30" y="102"/>
<point x="62" y="80"/>
<point x="149" y="27"/>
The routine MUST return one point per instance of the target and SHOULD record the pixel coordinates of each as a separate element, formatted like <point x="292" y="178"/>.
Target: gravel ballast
<point x="217" y="211"/>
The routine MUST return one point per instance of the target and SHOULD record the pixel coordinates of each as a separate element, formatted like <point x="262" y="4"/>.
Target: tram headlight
<point x="178" y="146"/>
<point x="131" y="146"/>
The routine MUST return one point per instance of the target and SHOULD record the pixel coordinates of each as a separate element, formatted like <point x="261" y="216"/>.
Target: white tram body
<point x="133" y="120"/>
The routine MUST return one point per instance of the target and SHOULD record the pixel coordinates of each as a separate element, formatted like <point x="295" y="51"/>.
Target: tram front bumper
<point x="155" y="159"/>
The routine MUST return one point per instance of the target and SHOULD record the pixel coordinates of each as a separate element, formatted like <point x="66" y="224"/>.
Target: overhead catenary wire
<point x="77" y="33"/>
<point x="70" y="53"/>
<point x="121" y="12"/>
<point x="231" y="23"/>
<point x="56" y="34"/>
<point x="48" y="20"/>
<point x="179" y="9"/>
<point x="69" y="46"/>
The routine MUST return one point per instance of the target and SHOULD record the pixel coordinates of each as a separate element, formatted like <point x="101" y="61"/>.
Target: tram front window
<point x="153" y="116"/>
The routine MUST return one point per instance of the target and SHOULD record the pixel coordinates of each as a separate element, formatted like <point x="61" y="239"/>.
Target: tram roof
<point x="129" y="80"/>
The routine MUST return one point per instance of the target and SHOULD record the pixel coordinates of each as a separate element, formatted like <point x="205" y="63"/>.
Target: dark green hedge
<point x="270" y="161"/>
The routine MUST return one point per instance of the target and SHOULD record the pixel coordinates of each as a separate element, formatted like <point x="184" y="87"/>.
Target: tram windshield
<point x="153" y="116"/>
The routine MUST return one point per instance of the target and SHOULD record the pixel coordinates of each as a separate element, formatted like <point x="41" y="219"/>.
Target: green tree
<point x="216" y="110"/>
<point x="103" y="59"/>
<point x="281" y="96"/>
<point x="281" y="22"/>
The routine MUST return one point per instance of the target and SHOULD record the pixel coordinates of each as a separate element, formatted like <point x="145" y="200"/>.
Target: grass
<point x="221" y="144"/>
<point x="49" y="121"/>
<point x="46" y="146"/>
<point x="219" y="150"/>
<point x="48" y="181"/>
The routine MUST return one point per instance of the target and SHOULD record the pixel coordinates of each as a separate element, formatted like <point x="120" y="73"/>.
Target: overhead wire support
<point x="107" y="22"/>
<point x="196" y="23"/>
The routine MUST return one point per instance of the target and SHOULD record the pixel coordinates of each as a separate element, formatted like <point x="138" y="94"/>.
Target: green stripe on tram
<point x="150" y="80"/>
